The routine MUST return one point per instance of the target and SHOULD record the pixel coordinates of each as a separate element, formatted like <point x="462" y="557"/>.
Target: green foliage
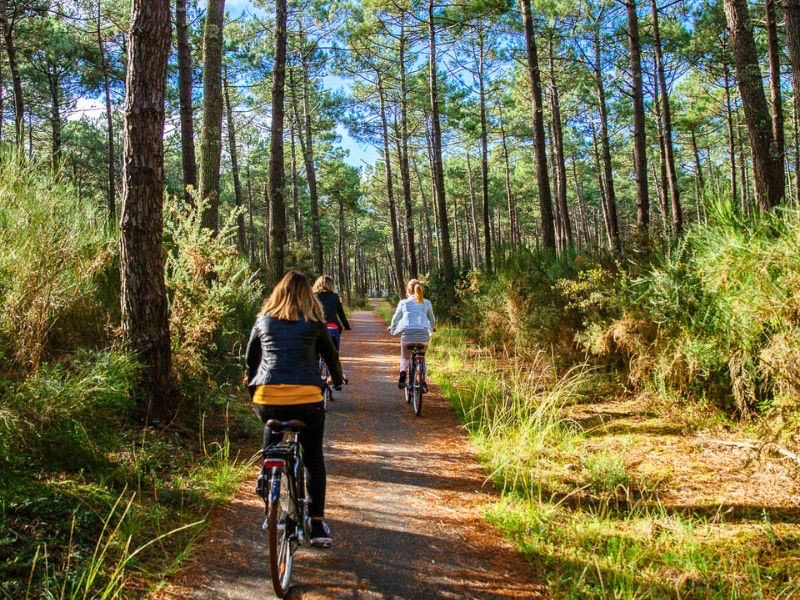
<point x="58" y="267"/>
<point x="213" y="293"/>
<point x="67" y="416"/>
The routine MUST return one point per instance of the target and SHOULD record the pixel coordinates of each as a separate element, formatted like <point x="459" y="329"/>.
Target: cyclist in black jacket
<point x="332" y="309"/>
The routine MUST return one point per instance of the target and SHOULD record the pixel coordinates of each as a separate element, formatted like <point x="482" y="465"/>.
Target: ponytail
<point x="418" y="293"/>
<point x="415" y="287"/>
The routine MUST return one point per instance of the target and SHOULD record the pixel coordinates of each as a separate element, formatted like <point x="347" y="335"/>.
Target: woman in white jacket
<point x="415" y="321"/>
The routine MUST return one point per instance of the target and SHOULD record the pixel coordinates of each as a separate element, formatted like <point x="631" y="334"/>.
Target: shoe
<point x="320" y="534"/>
<point x="401" y="383"/>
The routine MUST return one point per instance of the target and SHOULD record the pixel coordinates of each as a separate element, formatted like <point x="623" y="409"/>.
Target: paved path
<point x="405" y="502"/>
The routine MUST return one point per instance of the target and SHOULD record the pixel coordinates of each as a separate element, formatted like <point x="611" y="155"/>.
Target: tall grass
<point x="58" y="276"/>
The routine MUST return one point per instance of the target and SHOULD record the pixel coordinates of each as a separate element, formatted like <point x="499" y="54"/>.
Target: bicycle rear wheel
<point x="327" y="396"/>
<point x="417" y="392"/>
<point x="281" y="526"/>
<point x="409" y="389"/>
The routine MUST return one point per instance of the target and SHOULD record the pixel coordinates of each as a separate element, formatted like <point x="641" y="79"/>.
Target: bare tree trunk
<point x="639" y="124"/>
<point x="476" y="257"/>
<point x="699" y="168"/>
<point x="297" y="215"/>
<point x="561" y="166"/>
<point x="487" y="249"/>
<point x="237" y="186"/>
<point x="661" y="185"/>
<point x="603" y="188"/>
<point x="277" y="183"/>
<point x="111" y="200"/>
<point x="55" y="117"/>
<point x="185" y="99"/>
<point x="778" y="151"/>
<point x="666" y="124"/>
<point x="307" y="148"/>
<point x="512" y="208"/>
<point x="438" y="168"/>
<point x="405" y="174"/>
<point x="426" y="212"/>
<point x="145" y="317"/>
<point x="539" y="148"/>
<point x="211" y="135"/>
<point x="387" y="159"/>
<point x="731" y="135"/>
<point x="610" y="197"/>
<point x="767" y="162"/>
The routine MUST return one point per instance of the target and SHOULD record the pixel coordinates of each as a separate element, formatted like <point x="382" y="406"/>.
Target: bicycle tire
<point x="327" y="396"/>
<point x="418" y="392"/>
<point x="408" y="390"/>
<point x="279" y="531"/>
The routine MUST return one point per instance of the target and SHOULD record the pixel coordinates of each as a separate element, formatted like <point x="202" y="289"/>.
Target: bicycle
<point x="282" y="486"/>
<point x="416" y="384"/>
<point x="327" y="389"/>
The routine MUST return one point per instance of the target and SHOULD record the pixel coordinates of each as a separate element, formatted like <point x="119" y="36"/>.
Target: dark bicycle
<point x="282" y="486"/>
<point x="416" y="384"/>
<point x="327" y="390"/>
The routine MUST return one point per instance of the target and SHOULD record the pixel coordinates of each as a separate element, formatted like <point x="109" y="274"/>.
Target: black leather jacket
<point x="286" y="352"/>
<point x="332" y="309"/>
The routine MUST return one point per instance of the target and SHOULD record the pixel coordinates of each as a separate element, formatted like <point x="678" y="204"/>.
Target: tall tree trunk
<point x="55" y="116"/>
<point x="476" y="257"/>
<point x="698" y="167"/>
<point x="610" y="197"/>
<point x="405" y="174"/>
<point x="666" y="124"/>
<point x="767" y="162"/>
<point x="438" y="169"/>
<point x="277" y="181"/>
<point x="297" y="215"/>
<point x="387" y="159"/>
<point x="639" y="124"/>
<point x="211" y="135"/>
<point x="731" y="135"/>
<point x="561" y="165"/>
<point x="2" y="99"/>
<point x="428" y="227"/>
<point x="307" y="148"/>
<point x="185" y="100"/>
<point x="778" y="151"/>
<point x="791" y="11"/>
<point x="237" y="186"/>
<point x="661" y="185"/>
<point x="111" y="200"/>
<point x="7" y="22"/>
<point x="510" y="203"/>
<point x="145" y="317"/>
<point x="539" y="147"/>
<point x="487" y="248"/>
<point x="603" y="189"/>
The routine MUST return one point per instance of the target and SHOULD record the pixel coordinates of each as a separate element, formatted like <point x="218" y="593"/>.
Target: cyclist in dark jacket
<point x="282" y="376"/>
<point x="332" y="309"/>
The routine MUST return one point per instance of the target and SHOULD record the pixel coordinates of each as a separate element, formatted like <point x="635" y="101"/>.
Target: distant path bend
<point x="406" y="497"/>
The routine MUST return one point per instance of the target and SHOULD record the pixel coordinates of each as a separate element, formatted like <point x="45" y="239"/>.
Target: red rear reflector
<point x="274" y="463"/>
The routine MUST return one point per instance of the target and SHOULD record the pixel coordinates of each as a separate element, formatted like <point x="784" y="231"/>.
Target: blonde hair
<point x="292" y="300"/>
<point x="415" y="287"/>
<point x="324" y="283"/>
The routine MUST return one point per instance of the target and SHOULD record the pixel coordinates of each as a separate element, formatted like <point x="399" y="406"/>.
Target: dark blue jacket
<point x="332" y="309"/>
<point x="286" y="352"/>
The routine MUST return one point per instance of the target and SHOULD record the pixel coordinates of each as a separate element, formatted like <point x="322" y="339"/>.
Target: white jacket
<point x="410" y="314"/>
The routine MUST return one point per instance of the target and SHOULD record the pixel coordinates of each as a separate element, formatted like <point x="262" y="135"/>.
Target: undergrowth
<point x="595" y="527"/>
<point x="93" y="504"/>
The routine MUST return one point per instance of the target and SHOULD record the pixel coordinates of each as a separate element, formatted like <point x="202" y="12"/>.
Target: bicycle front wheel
<point x="327" y="396"/>
<point x="418" y="381"/>
<point x="281" y="527"/>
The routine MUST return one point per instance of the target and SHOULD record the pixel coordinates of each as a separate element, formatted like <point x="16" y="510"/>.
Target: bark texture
<point x="145" y="319"/>
<point x="277" y="179"/>
<point x="185" y="100"/>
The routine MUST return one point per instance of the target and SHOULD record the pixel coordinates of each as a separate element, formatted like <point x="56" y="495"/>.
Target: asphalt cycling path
<point x="405" y="504"/>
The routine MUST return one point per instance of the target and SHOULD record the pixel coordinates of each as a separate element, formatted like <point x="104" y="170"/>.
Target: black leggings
<point x="313" y="415"/>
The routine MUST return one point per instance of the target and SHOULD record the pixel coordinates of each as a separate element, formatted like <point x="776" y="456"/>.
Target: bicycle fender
<point x="275" y="486"/>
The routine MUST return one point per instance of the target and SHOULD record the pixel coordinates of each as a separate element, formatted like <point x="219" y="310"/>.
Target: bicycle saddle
<point x="416" y="348"/>
<point x="292" y="425"/>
